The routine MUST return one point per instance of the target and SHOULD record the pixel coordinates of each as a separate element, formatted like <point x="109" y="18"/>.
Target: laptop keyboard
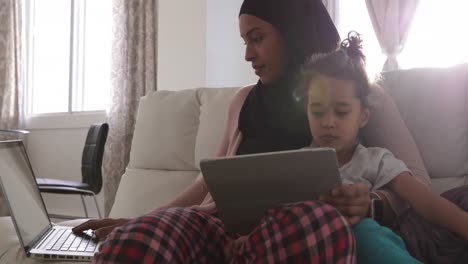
<point x="65" y="240"/>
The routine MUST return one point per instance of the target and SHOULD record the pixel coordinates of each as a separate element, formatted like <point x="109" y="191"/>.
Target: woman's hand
<point x="208" y="208"/>
<point x="352" y="201"/>
<point x="101" y="227"/>
<point x="233" y="247"/>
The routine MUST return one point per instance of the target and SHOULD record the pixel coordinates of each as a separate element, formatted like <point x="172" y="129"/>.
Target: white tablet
<point x="245" y="186"/>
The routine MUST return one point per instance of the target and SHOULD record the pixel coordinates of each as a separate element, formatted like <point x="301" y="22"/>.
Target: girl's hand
<point x="352" y="201"/>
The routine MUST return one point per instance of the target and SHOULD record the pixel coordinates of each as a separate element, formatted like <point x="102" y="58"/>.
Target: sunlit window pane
<point x="97" y="58"/>
<point x="438" y="37"/>
<point x="69" y="55"/>
<point x="50" y="56"/>
<point x="353" y="15"/>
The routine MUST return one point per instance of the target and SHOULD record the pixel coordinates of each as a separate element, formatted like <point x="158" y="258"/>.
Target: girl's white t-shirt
<point x="375" y="166"/>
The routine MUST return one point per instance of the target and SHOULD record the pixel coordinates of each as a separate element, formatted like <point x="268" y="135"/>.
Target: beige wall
<point x="181" y="44"/>
<point x="225" y="64"/>
<point x="199" y="45"/>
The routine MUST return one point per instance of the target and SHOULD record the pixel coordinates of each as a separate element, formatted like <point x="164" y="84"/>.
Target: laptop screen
<point x="21" y="192"/>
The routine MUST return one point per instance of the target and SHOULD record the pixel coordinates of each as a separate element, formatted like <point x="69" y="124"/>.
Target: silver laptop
<point x="37" y="235"/>
<point x="245" y="186"/>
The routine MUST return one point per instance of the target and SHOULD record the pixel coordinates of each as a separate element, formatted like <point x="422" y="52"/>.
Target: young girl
<point x="337" y="90"/>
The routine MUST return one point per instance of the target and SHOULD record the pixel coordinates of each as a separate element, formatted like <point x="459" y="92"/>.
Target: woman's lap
<point x="306" y="232"/>
<point x="175" y="235"/>
<point x="302" y="232"/>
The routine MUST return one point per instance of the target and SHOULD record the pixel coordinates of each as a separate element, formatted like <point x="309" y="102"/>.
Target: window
<point x="353" y="15"/>
<point x="68" y="55"/>
<point x="437" y="37"/>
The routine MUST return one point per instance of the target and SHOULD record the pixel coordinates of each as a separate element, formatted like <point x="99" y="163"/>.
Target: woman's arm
<point x="351" y="200"/>
<point x="197" y="191"/>
<point x="429" y="205"/>
<point x="192" y="195"/>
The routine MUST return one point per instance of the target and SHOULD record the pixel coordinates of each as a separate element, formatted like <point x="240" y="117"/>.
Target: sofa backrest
<point x="176" y="129"/>
<point x="434" y="105"/>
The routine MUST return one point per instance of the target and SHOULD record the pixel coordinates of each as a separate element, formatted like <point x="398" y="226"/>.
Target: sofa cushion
<point x="165" y="131"/>
<point x="440" y="185"/>
<point x="433" y="104"/>
<point x="213" y="113"/>
<point x="141" y="191"/>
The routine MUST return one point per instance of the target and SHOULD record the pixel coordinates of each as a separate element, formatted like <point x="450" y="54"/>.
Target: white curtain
<point x="10" y="64"/>
<point x="10" y="72"/>
<point x="134" y="57"/>
<point x="391" y="20"/>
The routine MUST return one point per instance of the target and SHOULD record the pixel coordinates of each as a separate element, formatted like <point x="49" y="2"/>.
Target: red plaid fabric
<point x="306" y="232"/>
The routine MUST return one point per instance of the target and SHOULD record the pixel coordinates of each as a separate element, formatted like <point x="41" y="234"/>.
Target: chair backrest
<point x="93" y="151"/>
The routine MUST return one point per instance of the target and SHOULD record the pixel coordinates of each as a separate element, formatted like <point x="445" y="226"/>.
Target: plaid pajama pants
<point x="305" y="232"/>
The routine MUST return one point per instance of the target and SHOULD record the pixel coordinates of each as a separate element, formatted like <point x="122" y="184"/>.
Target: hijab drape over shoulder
<point x="272" y="118"/>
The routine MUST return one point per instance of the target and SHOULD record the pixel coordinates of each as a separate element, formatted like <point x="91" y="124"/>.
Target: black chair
<point x="91" y="163"/>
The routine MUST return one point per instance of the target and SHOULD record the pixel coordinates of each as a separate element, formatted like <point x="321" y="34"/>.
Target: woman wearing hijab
<point x="279" y="36"/>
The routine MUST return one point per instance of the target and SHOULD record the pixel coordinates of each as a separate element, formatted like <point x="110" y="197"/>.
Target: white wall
<point x="181" y="44"/>
<point x="199" y="45"/>
<point x="225" y="64"/>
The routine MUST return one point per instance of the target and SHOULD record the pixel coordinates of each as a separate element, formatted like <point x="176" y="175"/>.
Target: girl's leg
<point x="305" y="232"/>
<point x="176" y="235"/>
<point x="378" y="244"/>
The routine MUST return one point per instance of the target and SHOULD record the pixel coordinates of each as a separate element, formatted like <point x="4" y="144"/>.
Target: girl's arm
<point x="387" y="129"/>
<point x="429" y="205"/>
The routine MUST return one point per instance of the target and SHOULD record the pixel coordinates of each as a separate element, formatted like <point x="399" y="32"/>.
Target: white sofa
<point x="175" y="129"/>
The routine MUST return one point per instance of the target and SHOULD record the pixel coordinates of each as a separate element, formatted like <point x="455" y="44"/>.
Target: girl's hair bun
<point x="352" y="46"/>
